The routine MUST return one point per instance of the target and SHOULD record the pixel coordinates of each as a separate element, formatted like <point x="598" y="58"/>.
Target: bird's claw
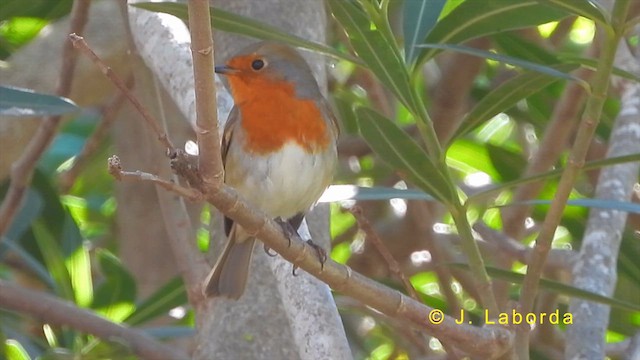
<point x="320" y="252"/>
<point x="269" y="252"/>
<point x="287" y="229"/>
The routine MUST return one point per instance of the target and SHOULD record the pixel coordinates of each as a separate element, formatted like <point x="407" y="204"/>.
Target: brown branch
<point x="559" y="259"/>
<point x="210" y="161"/>
<point x="488" y="341"/>
<point x="374" y="239"/>
<point x="109" y="114"/>
<point x="556" y="137"/>
<point x="55" y="311"/>
<point x="79" y="43"/>
<point x="22" y="169"/>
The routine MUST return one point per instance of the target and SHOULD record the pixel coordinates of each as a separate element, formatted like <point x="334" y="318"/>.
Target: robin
<point x="278" y="149"/>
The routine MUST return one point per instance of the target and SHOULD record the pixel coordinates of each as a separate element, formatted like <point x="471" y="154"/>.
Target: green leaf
<point x="507" y="95"/>
<point x="79" y="267"/>
<point x="508" y="163"/>
<point x="473" y="19"/>
<point x="513" y="44"/>
<point x="171" y="295"/>
<point x="53" y="259"/>
<point x="380" y="56"/>
<point x="15" y="351"/>
<point x="592" y="64"/>
<point x="591" y="165"/>
<point x="402" y="153"/>
<point x="589" y="203"/>
<point x="557" y="287"/>
<point x="585" y="8"/>
<point x="230" y="22"/>
<point x="115" y="296"/>
<point x="419" y="17"/>
<point x="24" y="102"/>
<point x="44" y="9"/>
<point x="361" y="193"/>
<point x="547" y="70"/>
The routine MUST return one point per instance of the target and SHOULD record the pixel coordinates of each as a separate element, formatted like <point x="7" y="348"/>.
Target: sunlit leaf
<point x="159" y="303"/>
<point x="585" y="8"/>
<point x="528" y="65"/>
<point x="79" y="267"/>
<point x="590" y="203"/>
<point x="591" y="165"/>
<point x="15" y="351"/>
<point x="473" y="19"/>
<point x="54" y="260"/>
<point x="24" y="102"/>
<point x="419" y="17"/>
<point x="557" y="287"/>
<point x="114" y="297"/>
<point x="507" y="95"/>
<point x="402" y="153"/>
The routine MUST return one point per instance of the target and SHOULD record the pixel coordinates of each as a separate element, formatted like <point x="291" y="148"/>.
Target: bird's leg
<point x="290" y="232"/>
<point x="287" y="229"/>
<point x="320" y="252"/>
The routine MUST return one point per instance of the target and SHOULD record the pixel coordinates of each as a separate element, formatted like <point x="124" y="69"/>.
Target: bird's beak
<point x="226" y="70"/>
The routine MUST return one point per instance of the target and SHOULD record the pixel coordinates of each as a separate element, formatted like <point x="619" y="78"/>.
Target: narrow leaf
<point x="585" y="8"/>
<point x="547" y="70"/>
<point x="507" y="95"/>
<point x="24" y="102"/>
<point x="402" y="153"/>
<point x="473" y="19"/>
<point x="54" y="260"/>
<point x="592" y="64"/>
<point x="557" y="287"/>
<point x="591" y="165"/>
<point x="171" y="295"/>
<point x="230" y="22"/>
<point x="420" y="16"/>
<point x="361" y="193"/>
<point x="380" y="56"/>
<point x="589" y="203"/>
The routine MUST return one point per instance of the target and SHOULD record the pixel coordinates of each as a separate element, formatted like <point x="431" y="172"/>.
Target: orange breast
<point x="272" y="116"/>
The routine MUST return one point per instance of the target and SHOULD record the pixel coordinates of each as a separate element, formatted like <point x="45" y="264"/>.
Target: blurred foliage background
<point x="500" y="86"/>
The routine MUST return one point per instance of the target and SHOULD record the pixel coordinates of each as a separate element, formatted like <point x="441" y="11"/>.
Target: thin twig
<point x="79" y="43"/>
<point x="115" y="169"/>
<point x="374" y="239"/>
<point x="55" y="311"/>
<point x="109" y="114"/>
<point x="209" y="161"/>
<point x="22" y="169"/>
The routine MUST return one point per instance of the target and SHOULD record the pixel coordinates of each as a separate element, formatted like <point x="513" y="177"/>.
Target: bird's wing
<point x="232" y="123"/>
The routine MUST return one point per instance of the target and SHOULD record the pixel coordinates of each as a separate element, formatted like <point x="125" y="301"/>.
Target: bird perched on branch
<point x="278" y="148"/>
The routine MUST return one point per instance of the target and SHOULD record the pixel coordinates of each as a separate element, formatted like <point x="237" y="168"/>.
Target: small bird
<point x="278" y="149"/>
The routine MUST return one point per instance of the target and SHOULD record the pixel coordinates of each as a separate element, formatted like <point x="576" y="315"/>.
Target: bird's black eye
<point x="257" y="64"/>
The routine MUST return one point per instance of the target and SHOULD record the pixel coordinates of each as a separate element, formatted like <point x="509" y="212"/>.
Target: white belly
<point x="281" y="184"/>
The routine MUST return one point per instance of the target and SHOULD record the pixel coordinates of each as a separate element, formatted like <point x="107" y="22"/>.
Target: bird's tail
<point x="230" y="273"/>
